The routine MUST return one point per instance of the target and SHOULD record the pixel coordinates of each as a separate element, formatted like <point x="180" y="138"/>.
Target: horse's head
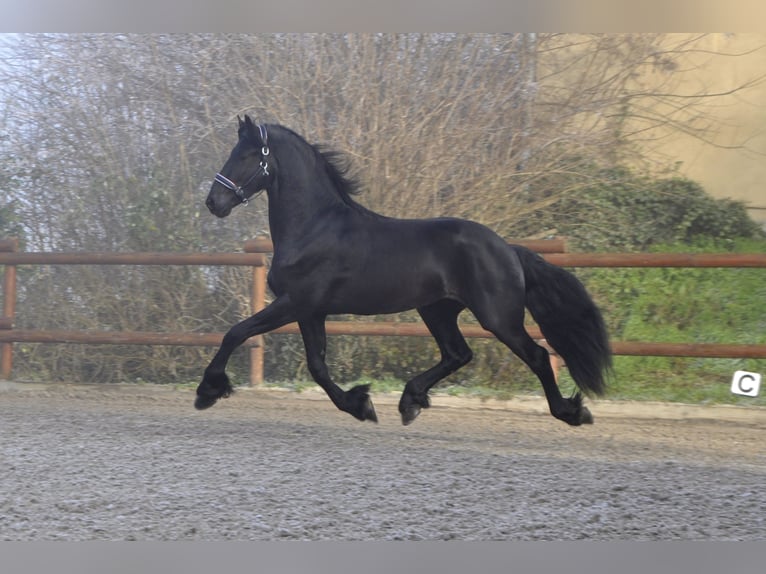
<point x="245" y="173"/>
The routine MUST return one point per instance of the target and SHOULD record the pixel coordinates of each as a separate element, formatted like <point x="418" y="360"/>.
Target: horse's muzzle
<point x="215" y="209"/>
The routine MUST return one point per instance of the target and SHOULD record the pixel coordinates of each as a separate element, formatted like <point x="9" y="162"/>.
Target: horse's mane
<point x="337" y="166"/>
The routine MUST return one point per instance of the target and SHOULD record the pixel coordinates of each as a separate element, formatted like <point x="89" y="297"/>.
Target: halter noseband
<point x="239" y="190"/>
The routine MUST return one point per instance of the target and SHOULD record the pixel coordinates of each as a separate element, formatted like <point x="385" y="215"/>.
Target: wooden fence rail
<point x="10" y="258"/>
<point x="255" y="256"/>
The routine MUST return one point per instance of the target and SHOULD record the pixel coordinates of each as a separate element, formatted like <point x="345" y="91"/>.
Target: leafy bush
<point x="622" y="211"/>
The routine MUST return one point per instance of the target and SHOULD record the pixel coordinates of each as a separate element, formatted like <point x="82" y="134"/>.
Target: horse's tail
<point x="569" y="320"/>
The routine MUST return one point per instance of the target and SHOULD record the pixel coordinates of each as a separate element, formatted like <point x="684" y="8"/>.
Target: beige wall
<point x="739" y="120"/>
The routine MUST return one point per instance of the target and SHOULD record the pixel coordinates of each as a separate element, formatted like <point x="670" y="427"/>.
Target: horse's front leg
<point x="215" y="383"/>
<point x="355" y="401"/>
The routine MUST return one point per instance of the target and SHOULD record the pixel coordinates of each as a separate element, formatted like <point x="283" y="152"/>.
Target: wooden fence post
<point x="257" y="302"/>
<point x="9" y="308"/>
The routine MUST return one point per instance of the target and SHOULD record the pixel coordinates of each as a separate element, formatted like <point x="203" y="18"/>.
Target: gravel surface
<point x="139" y="463"/>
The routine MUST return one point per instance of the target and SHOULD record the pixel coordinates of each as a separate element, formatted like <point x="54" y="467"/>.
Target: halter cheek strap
<point x="239" y="190"/>
<point x="264" y="137"/>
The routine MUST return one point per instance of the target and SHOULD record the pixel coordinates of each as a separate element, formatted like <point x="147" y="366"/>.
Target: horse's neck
<point x="302" y="196"/>
<point x="296" y="207"/>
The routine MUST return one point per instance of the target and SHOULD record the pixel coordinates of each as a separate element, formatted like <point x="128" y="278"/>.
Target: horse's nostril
<point x="209" y="202"/>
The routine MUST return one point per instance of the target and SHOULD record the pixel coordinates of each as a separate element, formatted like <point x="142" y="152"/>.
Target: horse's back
<point x="440" y="258"/>
<point x="442" y="236"/>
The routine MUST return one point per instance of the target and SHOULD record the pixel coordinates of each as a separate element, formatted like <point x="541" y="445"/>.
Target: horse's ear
<point x="247" y="129"/>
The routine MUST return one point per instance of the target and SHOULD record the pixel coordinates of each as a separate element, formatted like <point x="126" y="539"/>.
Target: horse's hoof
<point x="410" y="414"/>
<point x="369" y="413"/>
<point x="201" y="403"/>
<point x="208" y="395"/>
<point x="410" y="406"/>
<point x="206" y="400"/>
<point x="575" y="413"/>
<point x="366" y="412"/>
<point x="585" y="417"/>
<point x="360" y="404"/>
<point x="581" y="417"/>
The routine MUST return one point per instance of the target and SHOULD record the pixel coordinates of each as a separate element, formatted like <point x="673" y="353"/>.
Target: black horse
<point x="333" y="256"/>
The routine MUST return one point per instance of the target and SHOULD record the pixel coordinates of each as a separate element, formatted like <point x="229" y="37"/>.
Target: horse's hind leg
<point x="355" y="401"/>
<point x="441" y="320"/>
<point x="508" y="327"/>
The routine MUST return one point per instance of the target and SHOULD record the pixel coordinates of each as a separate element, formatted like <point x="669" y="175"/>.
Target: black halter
<point x="239" y="190"/>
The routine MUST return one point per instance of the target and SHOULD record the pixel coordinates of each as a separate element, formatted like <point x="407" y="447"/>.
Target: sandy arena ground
<point x="139" y="463"/>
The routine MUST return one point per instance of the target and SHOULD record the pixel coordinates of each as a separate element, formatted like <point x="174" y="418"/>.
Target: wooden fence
<point x="10" y="258"/>
<point x="255" y="256"/>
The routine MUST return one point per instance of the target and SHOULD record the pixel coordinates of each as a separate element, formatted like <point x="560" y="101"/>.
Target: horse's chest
<point x="305" y="277"/>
